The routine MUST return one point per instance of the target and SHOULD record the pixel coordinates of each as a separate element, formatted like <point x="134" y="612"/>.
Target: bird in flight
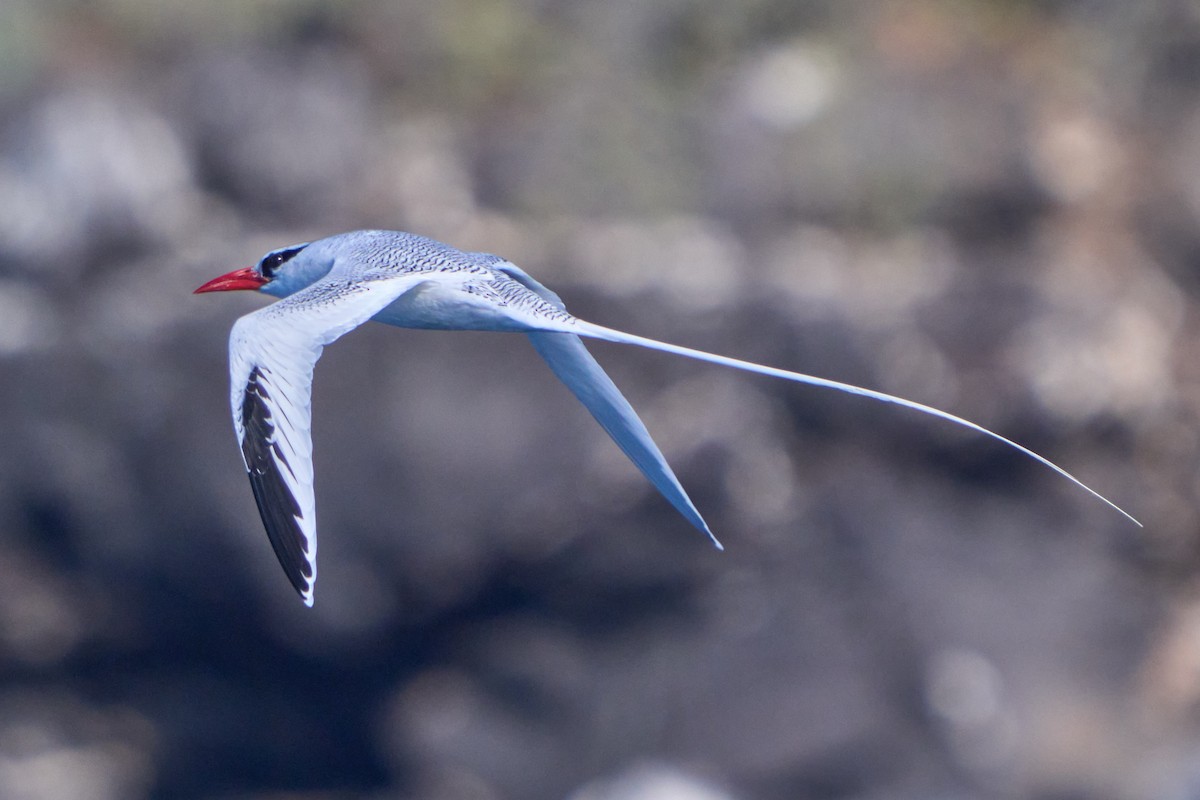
<point x="331" y="286"/>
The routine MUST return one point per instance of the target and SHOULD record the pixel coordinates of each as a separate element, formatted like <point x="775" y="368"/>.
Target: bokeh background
<point x="992" y="207"/>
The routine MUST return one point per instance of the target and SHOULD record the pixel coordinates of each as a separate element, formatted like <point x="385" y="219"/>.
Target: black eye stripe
<point x="273" y="261"/>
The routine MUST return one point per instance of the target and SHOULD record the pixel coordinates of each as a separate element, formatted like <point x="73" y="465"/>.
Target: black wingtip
<point x="280" y="514"/>
<point x="277" y="505"/>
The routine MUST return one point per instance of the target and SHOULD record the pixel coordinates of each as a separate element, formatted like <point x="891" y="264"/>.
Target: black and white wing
<point x="272" y="353"/>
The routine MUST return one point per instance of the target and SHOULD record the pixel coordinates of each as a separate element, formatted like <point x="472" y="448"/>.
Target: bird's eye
<point x="273" y="261"/>
<point x="270" y="264"/>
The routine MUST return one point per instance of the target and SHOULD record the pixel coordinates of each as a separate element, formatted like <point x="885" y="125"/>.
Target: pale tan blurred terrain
<point x="991" y="207"/>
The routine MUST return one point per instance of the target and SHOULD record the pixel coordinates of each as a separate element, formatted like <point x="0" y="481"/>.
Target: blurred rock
<point x="987" y="207"/>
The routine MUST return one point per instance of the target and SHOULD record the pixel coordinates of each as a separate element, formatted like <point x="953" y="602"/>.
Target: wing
<point x="272" y="353"/>
<point x="525" y="279"/>
<point x="608" y="334"/>
<point x="575" y="367"/>
<point x="567" y="357"/>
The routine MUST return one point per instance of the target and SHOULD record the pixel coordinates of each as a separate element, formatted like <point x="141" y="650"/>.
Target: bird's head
<point x="276" y="273"/>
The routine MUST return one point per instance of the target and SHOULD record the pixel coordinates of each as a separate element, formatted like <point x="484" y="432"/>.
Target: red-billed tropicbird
<point x="333" y="285"/>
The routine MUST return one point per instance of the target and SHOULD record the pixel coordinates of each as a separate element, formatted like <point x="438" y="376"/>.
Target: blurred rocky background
<point x="992" y="207"/>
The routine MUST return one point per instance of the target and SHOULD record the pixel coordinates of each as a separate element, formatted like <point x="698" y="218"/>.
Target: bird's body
<point x="333" y="285"/>
<point x="461" y="291"/>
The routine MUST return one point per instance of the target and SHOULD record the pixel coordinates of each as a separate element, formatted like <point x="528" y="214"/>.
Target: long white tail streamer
<point x="611" y="335"/>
